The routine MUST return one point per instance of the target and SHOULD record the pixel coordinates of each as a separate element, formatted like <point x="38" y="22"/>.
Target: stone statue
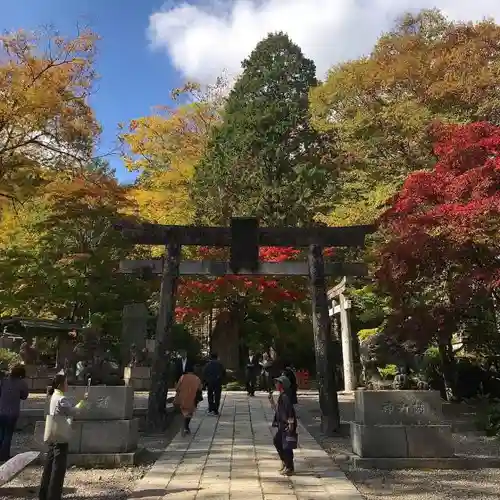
<point x="28" y="353"/>
<point x="138" y="357"/>
<point x="380" y="350"/>
<point x="133" y="356"/>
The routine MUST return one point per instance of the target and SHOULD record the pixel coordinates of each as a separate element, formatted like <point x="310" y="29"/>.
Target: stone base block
<point x="74" y="444"/>
<point x="457" y="463"/>
<point x="346" y="410"/>
<point x="99" y="460"/>
<point x="400" y="441"/>
<point x="101" y="437"/>
<point x="115" y="436"/>
<point x="398" y="407"/>
<point x="106" y="402"/>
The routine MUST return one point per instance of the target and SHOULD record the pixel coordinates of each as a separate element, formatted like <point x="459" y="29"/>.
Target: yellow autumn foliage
<point x="46" y="123"/>
<point x="165" y="148"/>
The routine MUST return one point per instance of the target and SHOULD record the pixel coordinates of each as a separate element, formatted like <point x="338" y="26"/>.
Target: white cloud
<point x="203" y="39"/>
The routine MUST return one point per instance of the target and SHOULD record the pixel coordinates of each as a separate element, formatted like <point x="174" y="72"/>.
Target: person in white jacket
<point x="54" y="471"/>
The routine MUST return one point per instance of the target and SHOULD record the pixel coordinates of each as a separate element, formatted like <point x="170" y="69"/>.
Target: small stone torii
<point x="341" y="306"/>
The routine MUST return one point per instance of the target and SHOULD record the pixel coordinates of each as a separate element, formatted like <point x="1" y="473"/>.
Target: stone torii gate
<point x="244" y="238"/>
<point x="341" y="306"/>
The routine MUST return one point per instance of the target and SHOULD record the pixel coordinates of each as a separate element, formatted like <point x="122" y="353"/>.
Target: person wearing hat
<point x="285" y="419"/>
<point x="289" y="373"/>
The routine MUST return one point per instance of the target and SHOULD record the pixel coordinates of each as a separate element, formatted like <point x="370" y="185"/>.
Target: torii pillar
<point x="341" y="305"/>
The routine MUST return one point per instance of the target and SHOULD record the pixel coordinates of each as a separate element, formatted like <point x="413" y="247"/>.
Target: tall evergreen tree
<point x="266" y="160"/>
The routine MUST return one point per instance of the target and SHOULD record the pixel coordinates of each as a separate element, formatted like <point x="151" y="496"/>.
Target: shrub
<point x="8" y="358"/>
<point x="388" y="372"/>
<point x="366" y="334"/>
<point x="234" y="386"/>
<point x="488" y="414"/>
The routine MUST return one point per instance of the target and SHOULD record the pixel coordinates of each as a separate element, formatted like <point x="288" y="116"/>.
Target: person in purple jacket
<point x="13" y="389"/>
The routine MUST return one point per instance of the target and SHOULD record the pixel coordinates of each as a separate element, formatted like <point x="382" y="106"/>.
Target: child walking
<point x="57" y="434"/>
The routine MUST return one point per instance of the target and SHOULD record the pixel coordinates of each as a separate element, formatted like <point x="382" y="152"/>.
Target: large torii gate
<point x="244" y="238"/>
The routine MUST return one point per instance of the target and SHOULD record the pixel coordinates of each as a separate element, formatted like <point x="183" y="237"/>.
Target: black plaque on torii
<point x="245" y="237"/>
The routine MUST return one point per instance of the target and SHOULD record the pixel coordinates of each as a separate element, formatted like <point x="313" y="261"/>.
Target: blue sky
<point x="133" y="78"/>
<point x="200" y="39"/>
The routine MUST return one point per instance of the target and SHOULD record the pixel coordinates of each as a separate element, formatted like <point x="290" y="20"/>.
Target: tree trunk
<point x="166" y="318"/>
<point x="325" y="366"/>
<point x="226" y="337"/>
<point x="448" y="367"/>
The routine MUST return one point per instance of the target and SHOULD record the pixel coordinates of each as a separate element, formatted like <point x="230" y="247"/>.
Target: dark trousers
<point x="251" y="384"/>
<point x="266" y="382"/>
<point x="214" y="392"/>
<point x="51" y="487"/>
<point x="286" y="455"/>
<point x="7" y="428"/>
<point x="187" y="421"/>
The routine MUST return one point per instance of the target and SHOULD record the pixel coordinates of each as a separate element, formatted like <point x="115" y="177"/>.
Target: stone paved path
<point x="232" y="457"/>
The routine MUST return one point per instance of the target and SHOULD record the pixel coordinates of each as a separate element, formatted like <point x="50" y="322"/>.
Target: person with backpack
<point x="57" y="435"/>
<point x="13" y="390"/>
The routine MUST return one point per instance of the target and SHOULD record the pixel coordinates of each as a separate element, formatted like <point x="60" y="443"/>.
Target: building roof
<point x="15" y="324"/>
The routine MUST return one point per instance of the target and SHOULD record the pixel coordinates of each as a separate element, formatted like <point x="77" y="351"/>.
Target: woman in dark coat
<point x="13" y="390"/>
<point x="285" y="440"/>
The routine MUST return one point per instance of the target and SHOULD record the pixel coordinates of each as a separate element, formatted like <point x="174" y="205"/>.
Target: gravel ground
<point x="103" y="484"/>
<point x="414" y="484"/>
<point x="373" y="484"/>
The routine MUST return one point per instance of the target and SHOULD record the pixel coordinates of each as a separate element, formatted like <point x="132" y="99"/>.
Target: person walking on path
<point x="57" y="435"/>
<point x="188" y="395"/>
<point x="285" y="439"/>
<point x="183" y="365"/>
<point x="266" y="380"/>
<point x="13" y="389"/>
<point x="213" y="375"/>
<point x="289" y="373"/>
<point x="251" y="372"/>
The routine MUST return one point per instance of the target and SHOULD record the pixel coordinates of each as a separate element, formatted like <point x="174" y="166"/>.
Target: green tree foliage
<point x="265" y="159"/>
<point x="60" y="253"/>
<point x="381" y="106"/>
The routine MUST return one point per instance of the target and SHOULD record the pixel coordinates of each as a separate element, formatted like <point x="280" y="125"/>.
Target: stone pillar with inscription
<point x="400" y="425"/>
<point x="105" y="432"/>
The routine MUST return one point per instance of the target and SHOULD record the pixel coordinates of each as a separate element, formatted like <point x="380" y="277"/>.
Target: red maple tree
<point x="442" y="245"/>
<point x="197" y="296"/>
